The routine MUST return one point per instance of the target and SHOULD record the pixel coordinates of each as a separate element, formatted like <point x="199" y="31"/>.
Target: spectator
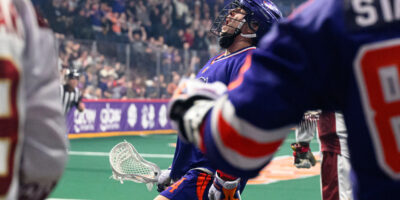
<point x="163" y="87"/>
<point x="119" y="6"/>
<point x="200" y="41"/>
<point x="160" y="37"/>
<point x="189" y="36"/>
<point x="182" y="11"/>
<point x="172" y="86"/>
<point x="81" y="27"/>
<point x="142" y="14"/>
<point x="131" y="9"/>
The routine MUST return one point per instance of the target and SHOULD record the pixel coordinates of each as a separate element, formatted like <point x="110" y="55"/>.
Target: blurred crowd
<point x="135" y="48"/>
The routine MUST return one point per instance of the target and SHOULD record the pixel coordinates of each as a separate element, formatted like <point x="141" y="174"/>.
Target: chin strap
<point x="251" y="35"/>
<point x="238" y="30"/>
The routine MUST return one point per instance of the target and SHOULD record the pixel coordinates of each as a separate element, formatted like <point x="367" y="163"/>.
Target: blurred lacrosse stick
<point x="127" y="164"/>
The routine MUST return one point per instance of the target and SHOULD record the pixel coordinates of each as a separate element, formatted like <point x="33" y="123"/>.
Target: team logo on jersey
<point x="281" y="168"/>
<point x="204" y="79"/>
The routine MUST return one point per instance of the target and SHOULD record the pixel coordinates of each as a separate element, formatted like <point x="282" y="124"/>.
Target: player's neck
<point x="237" y="45"/>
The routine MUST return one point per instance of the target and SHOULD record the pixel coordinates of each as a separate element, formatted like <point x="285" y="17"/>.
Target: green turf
<point x="87" y="177"/>
<point x="307" y="189"/>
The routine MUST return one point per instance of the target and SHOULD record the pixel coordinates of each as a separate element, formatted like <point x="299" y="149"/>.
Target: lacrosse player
<point x="330" y="55"/>
<point x="335" y="167"/>
<point x="33" y="149"/>
<point x="239" y="27"/>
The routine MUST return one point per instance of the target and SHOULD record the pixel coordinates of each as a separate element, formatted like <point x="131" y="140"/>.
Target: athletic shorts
<point x="335" y="177"/>
<point x="194" y="186"/>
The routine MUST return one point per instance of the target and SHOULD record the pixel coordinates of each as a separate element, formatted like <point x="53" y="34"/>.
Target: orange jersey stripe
<point x="218" y="57"/>
<point x="201" y="185"/>
<point x="176" y="185"/>
<point x="242" y="145"/>
<point x="246" y="66"/>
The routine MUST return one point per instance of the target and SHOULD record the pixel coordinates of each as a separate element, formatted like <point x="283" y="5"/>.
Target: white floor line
<point x="64" y="199"/>
<point x="146" y="155"/>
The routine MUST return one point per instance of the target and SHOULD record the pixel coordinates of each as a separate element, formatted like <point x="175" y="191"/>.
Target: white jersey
<point x="331" y="130"/>
<point x="33" y="148"/>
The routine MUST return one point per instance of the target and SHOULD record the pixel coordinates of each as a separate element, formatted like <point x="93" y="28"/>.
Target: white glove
<point x="164" y="180"/>
<point x="223" y="189"/>
<point x="190" y="103"/>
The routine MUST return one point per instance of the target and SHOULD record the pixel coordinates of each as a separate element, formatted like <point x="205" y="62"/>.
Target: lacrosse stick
<point x="127" y="164"/>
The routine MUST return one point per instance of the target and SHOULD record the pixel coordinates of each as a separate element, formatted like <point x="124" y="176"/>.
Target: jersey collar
<point x="223" y="56"/>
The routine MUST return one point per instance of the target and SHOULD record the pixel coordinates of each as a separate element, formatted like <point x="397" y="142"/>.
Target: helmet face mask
<point x="221" y="26"/>
<point x="259" y="15"/>
<point x="224" y="15"/>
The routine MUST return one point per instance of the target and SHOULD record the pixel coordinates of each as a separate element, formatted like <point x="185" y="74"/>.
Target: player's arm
<point x="45" y="146"/>
<point x="276" y="85"/>
<point x="80" y="105"/>
<point x="305" y="132"/>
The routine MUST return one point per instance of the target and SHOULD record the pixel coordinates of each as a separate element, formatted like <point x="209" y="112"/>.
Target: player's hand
<point x="81" y="106"/>
<point x="303" y="157"/>
<point x="189" y="105"/>
<point x="164" y="180"/>
<point x="224" y="189"/>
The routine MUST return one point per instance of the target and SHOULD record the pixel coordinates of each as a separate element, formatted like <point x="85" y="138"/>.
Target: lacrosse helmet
<point x="261" y="13"/>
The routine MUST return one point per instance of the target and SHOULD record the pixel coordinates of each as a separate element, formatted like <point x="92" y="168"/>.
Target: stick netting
<point x="127" y="164"/>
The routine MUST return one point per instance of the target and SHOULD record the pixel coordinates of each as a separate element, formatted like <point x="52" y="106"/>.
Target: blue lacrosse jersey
<point x="219" y="68"/>
<point x="224" y="68"/>
<point x="331" y="55"/>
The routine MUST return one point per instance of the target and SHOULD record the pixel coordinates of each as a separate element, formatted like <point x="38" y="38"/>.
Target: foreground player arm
<point x="276" y="85"/>
<point x="45" y="146"/>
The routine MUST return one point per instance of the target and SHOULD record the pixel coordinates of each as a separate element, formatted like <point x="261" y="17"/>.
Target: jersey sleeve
<point x="11" y="50"/>
<point x="285" y="76"/>
<point x="44" y="151"/>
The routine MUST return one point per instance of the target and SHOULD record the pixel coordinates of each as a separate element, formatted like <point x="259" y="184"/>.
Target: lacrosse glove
<point x="190" y="104"/>
<point x="164" y="180"/>
<point x="303" y="157"/>
<point x="224" y="187"/>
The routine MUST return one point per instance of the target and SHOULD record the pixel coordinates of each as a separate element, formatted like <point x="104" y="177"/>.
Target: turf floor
<point x="87" y="175"/>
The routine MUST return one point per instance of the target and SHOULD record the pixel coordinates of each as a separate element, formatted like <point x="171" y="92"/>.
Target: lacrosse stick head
<point x="127" y="164"/>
